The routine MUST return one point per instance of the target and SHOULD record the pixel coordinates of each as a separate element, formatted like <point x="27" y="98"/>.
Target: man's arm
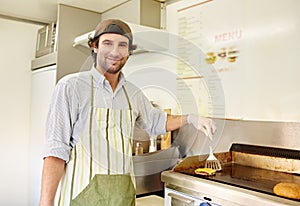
<point x="53" y="170"/>
<point x="206" y="125"/>
<point x="175" y="122"/>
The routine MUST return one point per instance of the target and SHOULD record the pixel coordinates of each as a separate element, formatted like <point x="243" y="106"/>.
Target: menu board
<point x="218" y="48"/>
<point x="237" y="58"/>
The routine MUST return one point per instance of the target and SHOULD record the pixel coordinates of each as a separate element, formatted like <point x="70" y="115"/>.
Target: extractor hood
<point x="146" y="38"/>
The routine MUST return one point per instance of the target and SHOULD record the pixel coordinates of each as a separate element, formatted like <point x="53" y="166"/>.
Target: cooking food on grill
<point x="205" y="171"/>
<point x="289" y="190"/>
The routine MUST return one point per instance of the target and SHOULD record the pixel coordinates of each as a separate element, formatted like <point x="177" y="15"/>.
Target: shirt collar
<point x="99" y="79"/>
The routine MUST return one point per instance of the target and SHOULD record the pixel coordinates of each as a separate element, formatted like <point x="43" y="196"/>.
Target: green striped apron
<point x="100" y="170"/>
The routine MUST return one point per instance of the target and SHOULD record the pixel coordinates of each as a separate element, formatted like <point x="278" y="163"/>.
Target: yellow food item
<point x="289" y="190"/>
<point x="205" y="171"/>
<point x="210" y="58"/>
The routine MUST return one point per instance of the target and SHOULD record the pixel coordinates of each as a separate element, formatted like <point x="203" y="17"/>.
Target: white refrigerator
<point x="43" y="84"/>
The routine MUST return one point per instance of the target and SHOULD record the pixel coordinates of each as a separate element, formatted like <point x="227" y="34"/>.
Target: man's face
<point x="112" y="52"/>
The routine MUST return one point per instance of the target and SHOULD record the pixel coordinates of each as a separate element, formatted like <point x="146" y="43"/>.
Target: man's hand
<point x="206" y="125"/>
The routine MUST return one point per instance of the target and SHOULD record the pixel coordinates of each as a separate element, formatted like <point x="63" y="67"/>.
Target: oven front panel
<point x="176" y="198"/>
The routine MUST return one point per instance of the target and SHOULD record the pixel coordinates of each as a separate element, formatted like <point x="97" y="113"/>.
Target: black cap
<point x="115" y="26"/>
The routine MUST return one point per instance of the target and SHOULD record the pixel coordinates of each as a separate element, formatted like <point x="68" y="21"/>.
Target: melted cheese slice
<point x="207" y="171"/>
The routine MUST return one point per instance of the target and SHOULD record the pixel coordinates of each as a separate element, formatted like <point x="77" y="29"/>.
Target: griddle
<point x="243" y="176"/>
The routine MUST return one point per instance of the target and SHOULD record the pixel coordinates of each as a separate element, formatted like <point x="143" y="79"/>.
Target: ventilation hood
<point x="146" y="38"/>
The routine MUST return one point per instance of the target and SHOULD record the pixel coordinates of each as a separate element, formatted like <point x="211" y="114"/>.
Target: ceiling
<point x="45" y="11"/>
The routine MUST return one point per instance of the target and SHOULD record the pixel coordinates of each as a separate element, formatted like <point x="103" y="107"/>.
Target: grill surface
<point x="260" y="180"/>
<point x="255" y="168"/>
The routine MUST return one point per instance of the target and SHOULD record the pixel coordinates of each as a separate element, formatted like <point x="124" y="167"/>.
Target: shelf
<point x="43" y="61"/>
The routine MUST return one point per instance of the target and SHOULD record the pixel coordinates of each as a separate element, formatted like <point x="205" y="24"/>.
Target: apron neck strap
<point x="130" y="108"/>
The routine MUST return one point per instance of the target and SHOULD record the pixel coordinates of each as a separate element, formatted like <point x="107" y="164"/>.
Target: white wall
<point x="17" y="49"/>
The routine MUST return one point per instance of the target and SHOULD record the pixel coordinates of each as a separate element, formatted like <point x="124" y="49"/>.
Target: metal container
<point x="148" y="168"/>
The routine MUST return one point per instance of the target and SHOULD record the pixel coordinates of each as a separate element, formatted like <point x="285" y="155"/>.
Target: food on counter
<point x="289" y="190"/>
<point x="205" y="171"/>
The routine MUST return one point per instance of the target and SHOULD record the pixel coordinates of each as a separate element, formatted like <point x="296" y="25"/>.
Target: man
<point x="90" y="127"/>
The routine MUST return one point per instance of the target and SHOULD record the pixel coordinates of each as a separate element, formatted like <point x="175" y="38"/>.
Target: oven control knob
<point x="205" y="204"/>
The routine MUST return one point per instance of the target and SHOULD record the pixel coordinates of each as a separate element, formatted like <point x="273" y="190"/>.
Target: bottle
<point x="139" y="149"/>
<point x="153" y="144"/>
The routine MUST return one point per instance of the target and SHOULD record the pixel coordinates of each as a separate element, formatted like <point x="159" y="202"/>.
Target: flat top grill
<point x="260" y="180"/>
<point x="249" y="167"/>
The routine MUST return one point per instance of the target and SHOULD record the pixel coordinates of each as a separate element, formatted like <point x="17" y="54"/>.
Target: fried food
<point x="289" y="190"/>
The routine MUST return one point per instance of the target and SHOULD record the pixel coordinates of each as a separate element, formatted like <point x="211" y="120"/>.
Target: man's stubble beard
<point x="105" y="68"/>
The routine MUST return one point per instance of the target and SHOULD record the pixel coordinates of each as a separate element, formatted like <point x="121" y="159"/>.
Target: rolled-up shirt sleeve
<point x="59" y="123"/>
